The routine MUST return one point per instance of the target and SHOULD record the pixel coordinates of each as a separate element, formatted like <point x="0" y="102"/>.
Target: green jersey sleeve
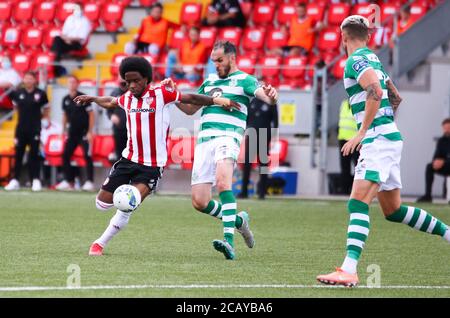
<point x="250" y="85"/>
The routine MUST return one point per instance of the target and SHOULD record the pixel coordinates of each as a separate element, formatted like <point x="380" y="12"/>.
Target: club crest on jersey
<point x="233" y="82"/>
<point x="148" y="100"/>
<point x="37" y="97"/>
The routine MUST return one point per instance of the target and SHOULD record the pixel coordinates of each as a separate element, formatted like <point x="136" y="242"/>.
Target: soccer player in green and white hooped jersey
<point x="373" y="99"/>
<point x="218" y="144"/>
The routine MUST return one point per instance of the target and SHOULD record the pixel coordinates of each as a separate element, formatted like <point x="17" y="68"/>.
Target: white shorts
<point x="379" y="162"/>
<point x="206" y="156"/>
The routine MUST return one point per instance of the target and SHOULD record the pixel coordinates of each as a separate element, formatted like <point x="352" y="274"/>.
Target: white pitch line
<point x="256" y="286"/>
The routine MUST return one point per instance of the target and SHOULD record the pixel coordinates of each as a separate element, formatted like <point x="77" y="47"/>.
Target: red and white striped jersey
<point x="148" y="122"/>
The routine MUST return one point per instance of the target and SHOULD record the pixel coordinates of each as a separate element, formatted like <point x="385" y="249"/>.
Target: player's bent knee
<point x="199" y="203"/>
<point x="102" y="206"/>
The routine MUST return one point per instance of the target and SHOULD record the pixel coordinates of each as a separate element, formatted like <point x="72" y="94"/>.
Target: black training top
<point x="77" y="115"/>
<point x="29" y="106"/>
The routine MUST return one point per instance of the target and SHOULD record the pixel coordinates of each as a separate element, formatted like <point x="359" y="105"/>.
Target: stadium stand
<point x="28" y="27"/>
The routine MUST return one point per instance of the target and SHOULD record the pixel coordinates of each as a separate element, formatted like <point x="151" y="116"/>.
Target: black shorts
<point x="125" y="171"/>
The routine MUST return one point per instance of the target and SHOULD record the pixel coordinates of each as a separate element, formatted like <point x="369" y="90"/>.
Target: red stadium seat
<point x="388" y="11"/>
<point x="270" y="66"/>
<point x="53" y="150"/>
<point x="102" y="147"/>
<point x="43" y="60"/>
<point x="276" y="38"/>
<point x="11" y="37"/>
<point x="92" y="12"/>
<point x="278" y="152"/>
<point x="246" y="63"/>
<point x="363" y="9"/>
<point x="107" y="84"/>
<point x="294" y="67"/>
<point x="329" y="39"/>
<point x="263" y="14"/>
<point x="45" y="12"/>
<point x="85" y="82"/>
<point x="78" y="157"/>
<point x="21" y="62"/>
<point x="338" y="68"/>
<point x="5" y="12"/>
<point x="177" y="38"/>
<point x="337" y="13"/>
<point x="111" y="16"/>
<point x="232" y="34"/>
<point x="49" y="34"/>
<point x="329" y="56"/>
<point x="285" y="13"/>
<point x="150" y="58"/>
<point x="270" y="69"/>
<point x="117" y="58"/>
<point x="246" y="8"/>
<point x="208" y="36"/>
<point x="23" y="12"/>
<point x="124" y="3"/>
<point x="418" y="11"/>
<point x="63" y="11"/>
<point x="146" y="3"/>
<point x="253" y="39"/>
<point x="32" y="38"/>
<point x="315" y="12"/>
<point x="191" y="13"/>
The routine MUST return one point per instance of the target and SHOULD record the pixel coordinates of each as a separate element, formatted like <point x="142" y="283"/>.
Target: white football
<point x="126" y="198"/>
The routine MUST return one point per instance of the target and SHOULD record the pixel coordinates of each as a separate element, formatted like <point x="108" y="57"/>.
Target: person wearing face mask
<point x="74" y="35"/>
<point x="32" y="104"/>
<point x="8" y="78"/>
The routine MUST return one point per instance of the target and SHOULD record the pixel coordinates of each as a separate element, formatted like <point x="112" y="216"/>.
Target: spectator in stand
<point x="9" y="79"/>
<point x="119" y="121"/>
<point x="80" y="122"/>
<point x="31" y="104"/>
<point x="301" y="33"/>
<point x="74" y="35"/>
<point x="191" y="56"/>
<point x="225" y="13"/>
<point x="152" y="34"/>
<point x="405" y="21"/>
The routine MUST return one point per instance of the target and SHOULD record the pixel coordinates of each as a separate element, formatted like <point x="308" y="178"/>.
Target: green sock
<point x="358" y="228"/>
<point x="214" y="209"/>
<point x="228" y="215"/>
<point x="418" y="219"/>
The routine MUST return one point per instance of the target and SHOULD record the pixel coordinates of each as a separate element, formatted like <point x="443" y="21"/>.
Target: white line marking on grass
<point x="255" y="286"/>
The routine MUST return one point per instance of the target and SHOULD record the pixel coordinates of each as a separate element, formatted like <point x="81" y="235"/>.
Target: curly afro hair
<point x="136" y="64"/>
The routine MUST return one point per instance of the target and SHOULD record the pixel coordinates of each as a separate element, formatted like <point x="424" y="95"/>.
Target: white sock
<point x="349" y="265"/>
<point x="117" y="223"/>
<point x="447" y="235"/>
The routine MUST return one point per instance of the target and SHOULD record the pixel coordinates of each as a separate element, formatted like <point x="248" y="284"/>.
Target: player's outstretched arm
<point x="393" y="94"/>
<point x="102" y="101"/>
<point x="268" y="94"/>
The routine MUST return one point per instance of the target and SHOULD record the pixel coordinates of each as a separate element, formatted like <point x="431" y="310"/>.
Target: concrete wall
<point x="419" y="120"/>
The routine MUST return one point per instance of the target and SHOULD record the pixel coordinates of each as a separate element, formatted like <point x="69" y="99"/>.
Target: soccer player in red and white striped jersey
<point x="143" y="159"/>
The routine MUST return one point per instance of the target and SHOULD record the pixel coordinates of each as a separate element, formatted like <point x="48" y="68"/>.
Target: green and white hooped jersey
<point x="218" y="122"/>
<point x="383" y="124"/>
